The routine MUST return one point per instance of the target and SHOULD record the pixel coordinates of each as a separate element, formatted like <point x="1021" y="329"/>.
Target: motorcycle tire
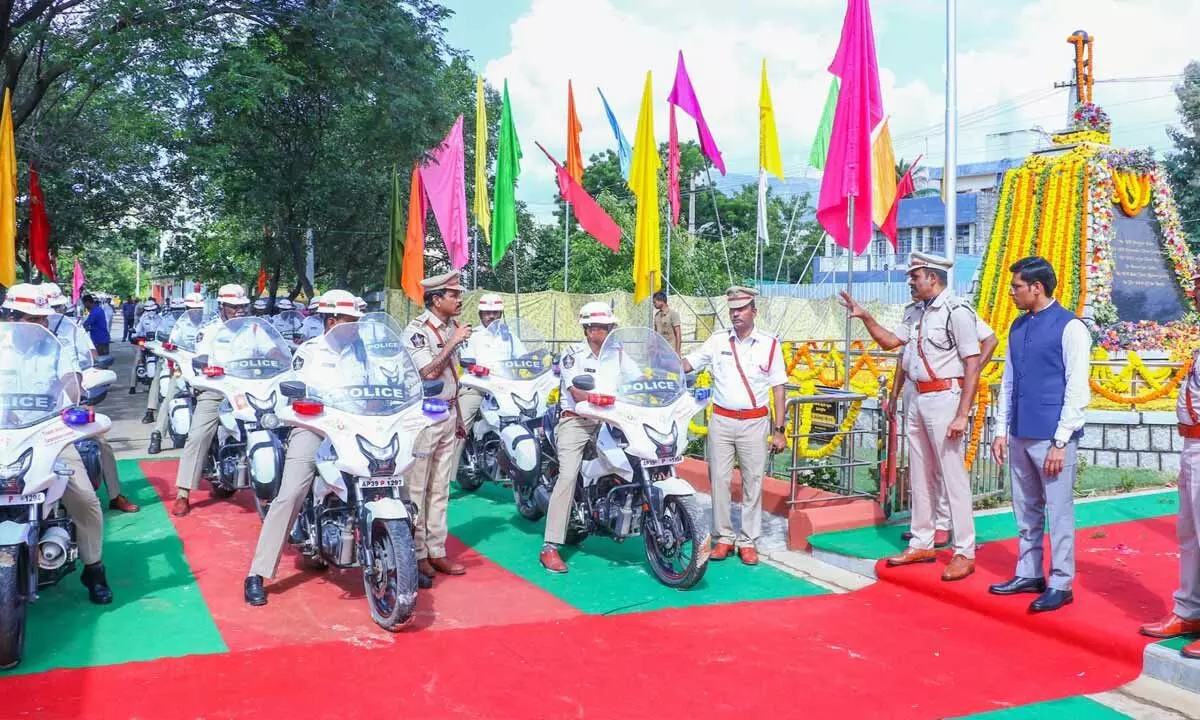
<point x="574" y="536"/>
<point x="221" y="492"/>
<point x="12" y="606"/>
<point x="681" y="517"/>
<point x="527" y="509"/>
<point x="470" y="478"/>
<point x="391" y="584"/>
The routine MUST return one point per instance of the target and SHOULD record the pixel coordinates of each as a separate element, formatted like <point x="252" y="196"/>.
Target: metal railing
<point x="839" y="471"/>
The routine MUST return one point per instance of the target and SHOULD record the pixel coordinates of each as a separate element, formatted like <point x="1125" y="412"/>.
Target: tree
<point x="1183" y="164"/>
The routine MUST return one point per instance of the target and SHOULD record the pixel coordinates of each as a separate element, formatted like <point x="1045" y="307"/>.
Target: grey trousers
<point x="1187" y="597"/>
<point x="204" y="426"/>
<point x="299" y="468"/>
<point x="1036" y="496"/>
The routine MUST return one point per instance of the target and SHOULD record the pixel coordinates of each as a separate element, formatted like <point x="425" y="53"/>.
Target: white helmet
<point x="28" y="299"/>
<point x="193" y="301"/>
<point x="339" y="302"/>
<point x="284" y="304"/>
<point x="55" y="295"/>
<point x="314" y="303"/>
<point x="150" y="306"/>
<point x="360" y="303"/>
<point x="596" y="313"/>
<point x="491" y="302"/>
<point x="232" y="294"/>
<point x="177" y="304"/>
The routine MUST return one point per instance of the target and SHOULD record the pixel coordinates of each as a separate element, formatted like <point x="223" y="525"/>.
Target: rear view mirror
<point x="199" y="363"/>
<point x="432" y="388"/>
<point x="293" y="389"/>
<point x="584" y="382"/>
<point x="466" y="362"/>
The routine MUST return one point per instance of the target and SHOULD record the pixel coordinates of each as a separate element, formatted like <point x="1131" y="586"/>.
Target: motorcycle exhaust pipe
<point x="53" y="548"/>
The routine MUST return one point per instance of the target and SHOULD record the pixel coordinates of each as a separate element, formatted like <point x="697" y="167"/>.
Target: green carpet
<point x="1075" y="708"/>
<point x="883" y="540"/>
<point x="606" y="577"/>
<point x="157" y="609"/>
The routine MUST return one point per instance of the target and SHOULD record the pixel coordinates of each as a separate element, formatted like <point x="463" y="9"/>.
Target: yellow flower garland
<point x="1131" y="191"/>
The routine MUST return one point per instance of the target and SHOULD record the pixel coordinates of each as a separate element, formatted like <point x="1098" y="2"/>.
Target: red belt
<point x="932" y="386"/>
<point x="751" y="414"/>
<point x="1191" y="432"/>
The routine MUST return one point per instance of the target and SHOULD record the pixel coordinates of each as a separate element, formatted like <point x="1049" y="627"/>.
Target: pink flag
<point x="684" y="96"/>
<point x="673" y="170"/>
<point x="77" y="281"/>
<point x="859" y="110"/>
<point x="445" y="183"/>
<point x="588" y="213"/>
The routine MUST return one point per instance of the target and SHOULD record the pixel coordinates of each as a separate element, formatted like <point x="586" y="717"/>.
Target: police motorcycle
<point x="166" y="322"/>
<point x="358" y="513"/>
<point x="627" y="483"/>
<point x="147" y="361"/>
<point x="290" y="325"/>
<point x="249" y="359"/>
<point x="514" y="372"/>
<point x="37" y="536"/>
<point x="178" y="349"/>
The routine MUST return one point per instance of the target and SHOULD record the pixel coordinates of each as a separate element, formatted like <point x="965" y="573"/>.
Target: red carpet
<point x="311" y="607"/>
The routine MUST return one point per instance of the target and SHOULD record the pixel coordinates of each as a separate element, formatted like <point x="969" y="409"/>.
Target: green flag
<point x="395" y="266"/>
<point x="820" y="146"/>
<point x="508" y="167"/>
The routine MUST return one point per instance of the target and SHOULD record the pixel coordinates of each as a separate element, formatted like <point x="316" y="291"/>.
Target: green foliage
<point x="1183" y="164"/>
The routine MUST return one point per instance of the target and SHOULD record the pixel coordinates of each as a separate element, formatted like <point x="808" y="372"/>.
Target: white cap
<point x="491" y="302"/>
<point x="232" y="294"/>
<point x="177" y="304"/>
<point x="150" y="306"/>
<point x="360" y="303"/>
<point x="193" y="301"/>
<point x="28" y="299"/>
<point x="339" y="302"/>
<point x="596" y="313"/>
<point x="315" y="302"/>
<point x="54" y="294"/>
<point x="283" y="304"/>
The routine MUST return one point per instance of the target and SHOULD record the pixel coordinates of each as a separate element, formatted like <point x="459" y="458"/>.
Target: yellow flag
<point x="8" y="196"/>
<point x="643" y="181"/>
<point x="483" y="215"/>
<point x="768" y="139"/>
<point x="883" y="174"/>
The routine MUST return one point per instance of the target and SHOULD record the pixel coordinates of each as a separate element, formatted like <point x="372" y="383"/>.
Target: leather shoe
<point x="721" y="551"/>
<point x="941" y="538"/>
<point x="444" y="566"/>
<point x="1191" y="650"/>
<point x="148" y="417"/>
<point x="1019" y="585"/>
<point x="181" y="507"/>
<point x="911" y="556"/>
<point x="960" y="567"/>
<point x="254" y="592"/>
<point x="123" y="504"/>
<point x="425" y="569"/>
<point x="94" y="580"/>
<point x="552" y="561"/>
<point x="155" y="443"/>
<point x="1172" y="626"/>
<point x="749" y="555"/>
<point x="1051" y="600"/>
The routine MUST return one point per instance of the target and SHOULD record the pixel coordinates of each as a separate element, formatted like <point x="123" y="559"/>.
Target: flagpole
<point x="849" y="284"/>
<point x="650" y="310"/>
<point x="566" y="246"/>
<point x="475" y="259"/>
<point x="950" y="174"/>
<point x="516" y="280"/>
<point x="667" y="286"/>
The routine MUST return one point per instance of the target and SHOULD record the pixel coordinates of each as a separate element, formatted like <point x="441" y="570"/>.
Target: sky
<point x="1009" y="57"/>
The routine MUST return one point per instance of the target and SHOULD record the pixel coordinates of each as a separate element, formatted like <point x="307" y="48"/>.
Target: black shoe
<point x="254" y="593"/>
<point x="906" y="535"/>
<point x="424" y="582"/>
<point x="155" y="443"/>
<point x="148" y="417"/>
<point x="133" y="391"/>
<point x="93" y="579"/>
<point x="1051" y="600"/>
<point x="1019" y="585"/>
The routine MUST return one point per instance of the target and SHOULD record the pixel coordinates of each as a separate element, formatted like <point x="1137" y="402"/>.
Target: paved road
<point x="129" y="437"/>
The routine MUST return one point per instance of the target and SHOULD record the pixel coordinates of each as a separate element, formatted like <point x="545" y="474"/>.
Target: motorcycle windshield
<point x="383" y="318"/>
<point x="374" y="376"/>
<point x="250" y="348"/>
<point x="640" y="368"/>
<point x="514" y="351"/>
<point x="166" y="322"/>
<point x="33" y="365"/>
<point x="74" y="338"/>
<point x="184" y="329"/>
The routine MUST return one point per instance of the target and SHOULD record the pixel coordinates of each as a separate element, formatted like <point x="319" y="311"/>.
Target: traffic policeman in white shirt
<point x="313" y="326"/>
<point x="316" y="365"/>
<point x="489" y="344"/>
<point x="147" y="324"/>
<point x="184" y="334"/>
<point x="747" y="373"/>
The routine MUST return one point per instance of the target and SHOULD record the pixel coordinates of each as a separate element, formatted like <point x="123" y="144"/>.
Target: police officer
<point x="146" y="326"/>
<point x="185" y="331"/>
<point x="316" y="365"/>
<point x="29" y="304"/>
<point x="747" y="364"/>
<point x="941" y="357"/>
<point x="313" y="325"/>
<point x="434" y="339"/>
<point x="231" y="303"/>
<point x="483" y="347"/>
<point x="175" y="307"/>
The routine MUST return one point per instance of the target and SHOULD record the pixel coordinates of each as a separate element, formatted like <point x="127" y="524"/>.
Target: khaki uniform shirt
<point x="665" y="324"/>
<point x="424" y="338"/>
<point x="945" y="330"/>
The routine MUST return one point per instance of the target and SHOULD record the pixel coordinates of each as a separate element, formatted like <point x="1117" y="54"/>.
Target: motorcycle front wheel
<point x="470" y="475"/>
<point x="12" y="606"/>
<point x="391" y="580"/>
<point x="527" y="506"/>
<point x="678" y="555"/>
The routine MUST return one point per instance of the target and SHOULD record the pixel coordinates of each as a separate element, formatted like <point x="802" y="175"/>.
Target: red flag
<point x="588" y="213"/>
<point x="262" y="281"/>
<point x="413" y="267"/>
<point x="673" y="169"/>
<point x="39" y="228"/>
<point x="904" y="188"/>
<point x="574" y="153"/>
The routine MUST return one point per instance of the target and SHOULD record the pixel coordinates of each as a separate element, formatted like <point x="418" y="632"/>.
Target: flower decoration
<point x="1090" y="116"/>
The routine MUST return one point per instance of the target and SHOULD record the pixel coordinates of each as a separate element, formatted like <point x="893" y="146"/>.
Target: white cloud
<point x="1011" y="57"/>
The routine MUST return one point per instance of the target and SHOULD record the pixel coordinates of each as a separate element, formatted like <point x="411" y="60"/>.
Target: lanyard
<point x="738" y="363"/>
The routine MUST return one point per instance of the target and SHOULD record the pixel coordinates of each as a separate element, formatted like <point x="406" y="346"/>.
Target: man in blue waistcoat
<point x="1040" y="414"/>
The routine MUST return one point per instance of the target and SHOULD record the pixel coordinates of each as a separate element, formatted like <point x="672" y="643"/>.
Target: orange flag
<point x="262" y="281"/>
<point x="414" y="240"/>
<point x="574" y="153"/>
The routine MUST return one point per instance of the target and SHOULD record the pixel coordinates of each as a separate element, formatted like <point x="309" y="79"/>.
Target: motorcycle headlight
<point x="528" y="407"/>
<point x="381" y="461"/>
<point x="269" y="421"/>
<point x="664" y="442"/>
<point x="12" y="477"/>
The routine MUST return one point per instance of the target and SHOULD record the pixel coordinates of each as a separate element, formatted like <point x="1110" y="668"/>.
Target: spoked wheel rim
<point x="673" y="551"/>
<point x="383" y="574"/>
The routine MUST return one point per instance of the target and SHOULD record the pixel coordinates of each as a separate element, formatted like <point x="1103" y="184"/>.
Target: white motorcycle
<point x="358" y="513"/>
<point x="37" y="536"/>
<point x="627" y="484"/>
<point x="178" y="349"/>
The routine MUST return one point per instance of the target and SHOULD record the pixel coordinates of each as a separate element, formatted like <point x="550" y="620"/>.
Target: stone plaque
<point x="1144" y="284"/>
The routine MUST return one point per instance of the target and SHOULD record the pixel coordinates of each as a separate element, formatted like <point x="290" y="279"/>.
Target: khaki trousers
<point x="108" y="468"/>
<point x="81" y="502"/>
<point x="434" y="463"/>
<point x="745" y="440"/>
<point x="1187" y="597"/>
<point x="299" y="468"/>
<point x="204" y="426"/>
<point x="469" y="400"/>
<point x="152" y="400"/>
<point x="932" y="457"/>
<point x="571" y="437"/>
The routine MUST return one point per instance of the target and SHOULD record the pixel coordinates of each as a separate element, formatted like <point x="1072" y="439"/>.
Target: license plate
<point x="660" y="462"/>
<point x="33" y="499"/>
<point x="381" y="482"/>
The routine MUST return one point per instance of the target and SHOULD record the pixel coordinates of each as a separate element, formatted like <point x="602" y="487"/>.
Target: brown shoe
<point x="960" y="566"/>
<point x="941" y="538"/>
<point x="123" y="504"/>
<point x="181" y="506"/>
<point x="721" y="551"/>
<point x="911" y="556"/>
<point x="748" y="555"/>
<point x="425" y="568"/>
<point x="1171" y="626"/>
<point x="444" y="566"/>
<point x="1191" y="650"/>
<point x="552" y="561"/>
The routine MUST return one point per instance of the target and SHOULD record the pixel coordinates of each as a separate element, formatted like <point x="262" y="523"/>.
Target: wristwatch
<point x="780" y="429"/>
<point x="1059" y="444"/>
